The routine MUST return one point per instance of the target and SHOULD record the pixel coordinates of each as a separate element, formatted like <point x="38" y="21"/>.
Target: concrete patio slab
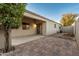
<point x="24" y="39"/>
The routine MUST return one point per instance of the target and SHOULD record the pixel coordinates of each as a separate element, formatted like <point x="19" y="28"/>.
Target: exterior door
<point x="39" y="29"/>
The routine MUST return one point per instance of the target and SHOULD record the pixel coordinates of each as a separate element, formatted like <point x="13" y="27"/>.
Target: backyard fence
<point x="68" y="29"/>
<point x="2" y="40"/>
<point x="77" y="31"/>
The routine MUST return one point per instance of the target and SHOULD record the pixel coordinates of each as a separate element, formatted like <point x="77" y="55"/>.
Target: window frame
<point x="25" y="26"/>
<point x="54" y="25"/>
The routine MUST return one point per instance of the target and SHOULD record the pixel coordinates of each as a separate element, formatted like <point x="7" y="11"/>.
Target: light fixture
<point x="34" y="25"/>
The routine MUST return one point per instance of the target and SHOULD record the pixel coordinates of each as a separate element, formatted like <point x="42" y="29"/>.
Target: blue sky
<point x="53" y="11"/>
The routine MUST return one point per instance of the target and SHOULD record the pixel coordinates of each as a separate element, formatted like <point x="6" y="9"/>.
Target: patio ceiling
<point x="31" y="20"/>
<point x="34" y="16"/>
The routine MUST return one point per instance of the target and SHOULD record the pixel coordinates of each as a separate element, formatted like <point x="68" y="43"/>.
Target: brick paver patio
<point x="47" y="46"/>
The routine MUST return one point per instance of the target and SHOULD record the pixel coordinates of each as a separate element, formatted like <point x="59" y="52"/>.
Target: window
<point x="54" y="25"/>
<point x="25" y="26"/>
<point x="59" y="27"/>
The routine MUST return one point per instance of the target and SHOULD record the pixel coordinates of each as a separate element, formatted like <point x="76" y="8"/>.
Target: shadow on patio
<point x="24" y="39"/>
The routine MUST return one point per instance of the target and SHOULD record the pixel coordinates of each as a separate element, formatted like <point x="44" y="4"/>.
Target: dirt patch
<point x="66" y="36"/>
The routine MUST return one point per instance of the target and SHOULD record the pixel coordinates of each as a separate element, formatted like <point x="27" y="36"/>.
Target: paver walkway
<point x="47" y="46"/>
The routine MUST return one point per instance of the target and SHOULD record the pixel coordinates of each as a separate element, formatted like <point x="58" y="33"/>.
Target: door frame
<point x="39" y="29"/>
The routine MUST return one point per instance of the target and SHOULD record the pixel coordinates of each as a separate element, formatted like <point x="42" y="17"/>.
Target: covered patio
<point x="30" y="26"/>
<point x="30" y="29"/>
<point x="25" y="39"/>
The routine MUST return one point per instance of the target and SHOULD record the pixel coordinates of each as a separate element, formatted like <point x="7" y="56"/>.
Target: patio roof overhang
<point x="37" y="17"/>
<point x="34" y="16"/>
<point x="31" y="20"/>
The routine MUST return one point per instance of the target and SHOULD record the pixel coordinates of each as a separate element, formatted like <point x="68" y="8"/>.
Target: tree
<point x="10" y="16"/>
<point x="68" y="19"/>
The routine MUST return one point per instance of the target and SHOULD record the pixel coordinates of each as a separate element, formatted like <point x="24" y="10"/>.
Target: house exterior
<point x="33" y="24"/>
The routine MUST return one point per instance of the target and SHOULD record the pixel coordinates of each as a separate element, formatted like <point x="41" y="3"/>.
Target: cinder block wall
<point x="68" y="29"/>
<point x="2" y="40"/>
<point x="77" y="32"/>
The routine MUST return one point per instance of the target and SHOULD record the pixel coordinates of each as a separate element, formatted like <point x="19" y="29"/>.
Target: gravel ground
<point x="47" y="46"/>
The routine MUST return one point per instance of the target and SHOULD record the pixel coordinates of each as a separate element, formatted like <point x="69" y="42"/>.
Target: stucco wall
<point x="44" y="28"/>
<point x="47" y="29"/>
<point x="68" y="29"/>
<point x="50" y="29"/>
<point x="77" y="32"/>
<point x="2" y="40"/>
<point x="21" y="32"/>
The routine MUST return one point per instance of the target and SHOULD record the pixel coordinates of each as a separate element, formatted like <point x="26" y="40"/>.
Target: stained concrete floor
<point x="25" y="39"/>
<point x="46" y="46"/>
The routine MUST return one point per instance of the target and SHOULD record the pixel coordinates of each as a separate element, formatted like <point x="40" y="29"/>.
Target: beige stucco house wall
<point x="20" y="32"/>
<point x="50" y="27"/>
<point x="47" y="27"/>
